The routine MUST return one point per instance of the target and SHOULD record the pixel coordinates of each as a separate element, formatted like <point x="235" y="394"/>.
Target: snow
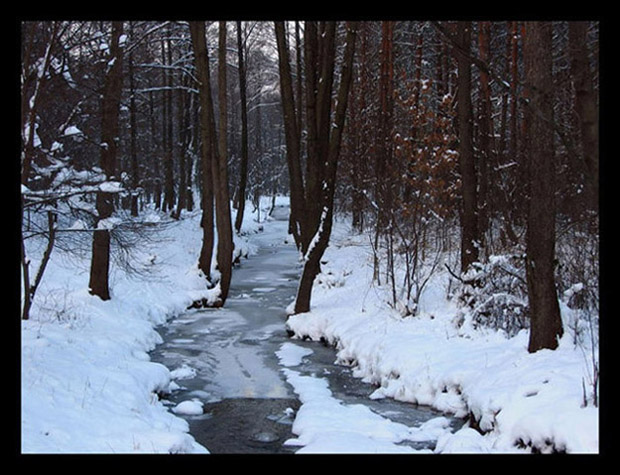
<point x="519" y="400"/>
<point x="291" y="354"/>
<point x="109" y="223"/>
<point x="183" y="372"/>
<point x="88" y="385"/>
<point x="72" y="130"/>
<point x="111" y="187"/>
<point x="326" y="425"/>
<point x="192" y="407"/>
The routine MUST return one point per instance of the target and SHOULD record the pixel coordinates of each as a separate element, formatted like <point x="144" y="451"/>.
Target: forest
<point x="463" y="148"/>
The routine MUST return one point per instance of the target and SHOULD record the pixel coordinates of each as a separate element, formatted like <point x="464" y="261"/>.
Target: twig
<point x="453" y="274"/>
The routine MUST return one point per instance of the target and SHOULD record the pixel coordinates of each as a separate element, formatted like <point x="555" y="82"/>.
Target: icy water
<point x="226" y="359"/>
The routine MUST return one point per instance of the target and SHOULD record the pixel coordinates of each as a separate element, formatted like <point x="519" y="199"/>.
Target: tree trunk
<point x="135" y="178"/>
<point x="168" y="132"/>
<point x="383" y="183"/>
<point x="243" y="173"/>
<point x="201" y="58"/>
<point x="469" y="215"/>
<point x="25" y="262"/>
<point x="585" y="105"/>
<point x="319" y="76"/>
<point x="546" y="324"/>
<point x="320" y="240"/>
<point x="100" y="263"/>
<point x="183" y="108"/>
<point x="292" y="134"/>
<point x="220" y="175"/>
<point x="156" y="177"/>
<point x="298" y="57"/>
<point x="31" y="290"/>
<point x="29" y="106"/>
<point x="485" y="132"/>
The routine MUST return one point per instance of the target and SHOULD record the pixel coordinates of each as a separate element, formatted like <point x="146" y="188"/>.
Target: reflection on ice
<point x="232" y="349"/>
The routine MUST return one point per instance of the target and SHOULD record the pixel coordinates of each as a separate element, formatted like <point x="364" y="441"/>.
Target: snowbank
<point x="326" y="425"/>
<point x="517" y="401"/>
<point x="87" y="385"/>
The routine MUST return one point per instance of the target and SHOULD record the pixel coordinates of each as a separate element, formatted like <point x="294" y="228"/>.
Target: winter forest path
<point x="225" y="359"/>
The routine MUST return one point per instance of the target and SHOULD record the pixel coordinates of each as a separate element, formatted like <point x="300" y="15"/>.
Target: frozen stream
<point x="225" y="359"/>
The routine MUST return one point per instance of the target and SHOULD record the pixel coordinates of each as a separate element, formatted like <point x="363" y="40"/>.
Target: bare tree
<point x="207" y="128"/>
<point x="225" y="243"/>
<point x="100" y="263"/>
<point x="585" y="104"/>
<point x="546" y="324"/>
<point x="167" y="124"/>
<point x="293" y="141"/>
<point x="469" y="219"/>
<point x="324" y="140"/>
<point x="135" y="170"/>
<point x="243" y="173"/>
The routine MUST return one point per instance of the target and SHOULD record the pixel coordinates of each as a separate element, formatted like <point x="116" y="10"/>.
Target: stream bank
<point x="226" y="370"/>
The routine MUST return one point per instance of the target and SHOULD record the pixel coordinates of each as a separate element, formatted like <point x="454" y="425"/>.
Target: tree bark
<point x="156" y="180"/>
<point x="243" y="172"/>
<point x="585" y="105"/>
<point x="485" y="133"/>
<point x="30" y="290"/>
<point x="201" y="58"/>
<point x="546" y="324"/>
<point x="29" y="105"/>
<point x="383" y="165"/>
<point x="320" y="239"/>
<point x="169" y="197"/>
<point x="220" y="175"/>
<point x="135" y="178"/>
<point x="183" y="108"/>
<point x="469" y="215"/>
<point x="100" y="263"/>
<point x="292" y="135"/>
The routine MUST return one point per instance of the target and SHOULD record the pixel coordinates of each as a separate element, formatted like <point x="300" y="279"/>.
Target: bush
<point x="495" y="294"/>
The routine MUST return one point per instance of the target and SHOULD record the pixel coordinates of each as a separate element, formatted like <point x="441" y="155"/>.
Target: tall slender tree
<point x="110" y="104"/>
<point x="586" y="105"/>
<point x="225" y="245"/>
<point x="546" y="324"/>
<point x="133" y="126"/>
<point x="324" y="132"/>
<point x="469" y="215"/>
<point x="243" y="172"/>
<point x="168" y="204"/>
<point x="485" y="134"/>
<point x="207" y="129"/>
<point x="292" y="137"/>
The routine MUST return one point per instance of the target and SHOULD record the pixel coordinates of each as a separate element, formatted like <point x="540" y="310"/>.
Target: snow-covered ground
<point x="325" y="424"/>
<point x="88" y="386"/>
<point x="519" y="400"/>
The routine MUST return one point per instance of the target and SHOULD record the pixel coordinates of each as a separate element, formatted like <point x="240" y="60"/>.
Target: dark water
<point x="248" y="407"/>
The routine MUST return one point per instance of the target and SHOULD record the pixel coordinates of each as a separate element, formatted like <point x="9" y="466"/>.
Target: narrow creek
<point x="225" y="360"/>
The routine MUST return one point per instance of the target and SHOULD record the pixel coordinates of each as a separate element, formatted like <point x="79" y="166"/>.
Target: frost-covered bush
<point x="578" y="278"/>
<point x="329" y="279"/>
<point x="577" y="251"/>
<point x="494" y="294"/>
